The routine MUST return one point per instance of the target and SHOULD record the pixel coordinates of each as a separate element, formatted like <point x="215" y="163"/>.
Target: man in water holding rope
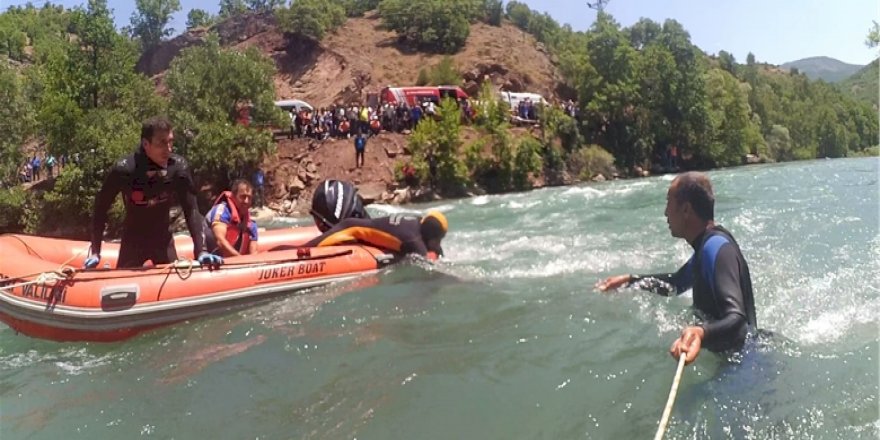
<point x="149" y="179"/>
<point x="717" y="272"/>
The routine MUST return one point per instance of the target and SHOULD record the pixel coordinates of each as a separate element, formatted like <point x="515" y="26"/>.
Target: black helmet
<point x="334" y="201"/>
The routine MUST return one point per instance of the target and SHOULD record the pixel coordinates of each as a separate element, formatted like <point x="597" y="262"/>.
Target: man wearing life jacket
<point x="716" y="272"/>
<point x="399" y="234"/>
<point x="229" y="230"/>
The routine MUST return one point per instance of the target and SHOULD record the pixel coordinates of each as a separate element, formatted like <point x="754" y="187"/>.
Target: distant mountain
<point x="864" y="85"/>
<point x="825" y="68"/>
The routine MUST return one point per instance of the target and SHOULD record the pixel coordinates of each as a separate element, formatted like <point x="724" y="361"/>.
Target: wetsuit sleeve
<point x="187" y="198"/>
<point x="252" y="230"/>
<point x="108" y="192"/>
<point x="667" y="283"/>
<point x="732" y="322"/>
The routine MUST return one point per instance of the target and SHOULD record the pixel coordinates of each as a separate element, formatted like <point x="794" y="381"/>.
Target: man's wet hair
<point x="237" y="183"/>
<point x="153" y="125"/>
<point x="695" y="188"/>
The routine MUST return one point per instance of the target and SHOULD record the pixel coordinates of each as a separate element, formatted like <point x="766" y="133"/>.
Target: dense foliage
<point x="440" y="26"/>
<point x="312" y="18"/>
<point x="69" y="87"/>
<point x="78" y="95"/>
<point x="209" y="88"/>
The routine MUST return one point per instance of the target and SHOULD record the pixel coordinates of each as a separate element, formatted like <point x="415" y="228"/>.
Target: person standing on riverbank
<point x="717" y="272"/>
<point x="259" y="181"/>
<point x="360" y="146"/>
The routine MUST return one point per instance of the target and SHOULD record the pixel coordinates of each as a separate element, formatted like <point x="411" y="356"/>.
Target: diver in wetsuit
<point x="717" y="272"/>
<point x="149" y="180"/>
<point x="399" y="234"/>
<point x="334" y="201"/>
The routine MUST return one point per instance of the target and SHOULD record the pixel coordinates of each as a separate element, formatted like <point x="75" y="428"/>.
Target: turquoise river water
<point x="507" y="339"/>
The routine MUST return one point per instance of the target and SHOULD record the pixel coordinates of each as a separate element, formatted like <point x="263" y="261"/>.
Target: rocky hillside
<point x="361" y="58"/>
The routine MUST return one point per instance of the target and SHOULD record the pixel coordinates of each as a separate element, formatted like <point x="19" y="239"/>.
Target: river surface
<point x="507" y="339"/>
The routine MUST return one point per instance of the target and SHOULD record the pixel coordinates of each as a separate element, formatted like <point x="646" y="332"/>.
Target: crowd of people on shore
<point x="341" y="121"/>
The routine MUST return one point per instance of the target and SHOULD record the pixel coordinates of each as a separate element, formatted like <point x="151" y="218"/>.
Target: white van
<point x="296" y="104"/>
<point x="513" y="99"/>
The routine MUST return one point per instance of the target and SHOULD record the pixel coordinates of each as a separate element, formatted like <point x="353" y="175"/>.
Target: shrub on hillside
<point x="591" y="161"/>
<point x="433" y="25"/>
<point x="441" y="139"/>
<point x="313" y="18"/>
<point x="357" y="8"/>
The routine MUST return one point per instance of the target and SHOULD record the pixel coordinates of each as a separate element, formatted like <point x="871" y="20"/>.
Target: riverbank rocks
<point x="372" y="192"/>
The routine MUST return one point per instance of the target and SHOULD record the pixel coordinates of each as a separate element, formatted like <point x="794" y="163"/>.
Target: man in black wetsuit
<point x="717" y="272"/>
<point x="399" y="234"/>
<point x="149" y="180"/>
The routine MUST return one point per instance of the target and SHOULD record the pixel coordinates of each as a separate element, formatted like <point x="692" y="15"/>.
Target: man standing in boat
<point x="229" y="229"/>
<point x="149" y="180"/>
<point x="717" y="272"/>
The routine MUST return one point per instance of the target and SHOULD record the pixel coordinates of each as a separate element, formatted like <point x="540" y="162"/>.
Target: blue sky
<point x="776" y="31"/>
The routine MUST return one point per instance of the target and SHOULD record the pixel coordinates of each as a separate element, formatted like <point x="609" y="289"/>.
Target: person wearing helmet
<point x="399" y="234"/>
<point x="334" y="201"/>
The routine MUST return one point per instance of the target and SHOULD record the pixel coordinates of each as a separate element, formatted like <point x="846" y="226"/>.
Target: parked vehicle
<point x="418" y="95"/>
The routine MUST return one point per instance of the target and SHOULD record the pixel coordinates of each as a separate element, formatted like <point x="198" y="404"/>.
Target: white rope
<point x="672" y="392"/>
<point x="42" y="279"/>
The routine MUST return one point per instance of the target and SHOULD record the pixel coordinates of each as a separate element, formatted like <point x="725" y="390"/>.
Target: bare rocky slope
<point x="359" y="58"/>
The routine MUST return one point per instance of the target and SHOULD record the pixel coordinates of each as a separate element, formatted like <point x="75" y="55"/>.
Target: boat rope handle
<point x="672" y="392"/>
<point x="179" y="264"/>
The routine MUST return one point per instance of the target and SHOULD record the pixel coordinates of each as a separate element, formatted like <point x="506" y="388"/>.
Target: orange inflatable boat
<point x="44" y="294"/>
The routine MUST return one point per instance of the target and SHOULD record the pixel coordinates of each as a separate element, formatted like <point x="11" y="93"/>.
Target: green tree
<point x="494" y="12"/>
<point x="432" y="25"/>
<point x="441" y="139"/>
<point x="357" y="8"/>
<point x="232" y="8"/>
<point x="733" y="132"/>
<point x="750" y="59"/>
<point x="198" y="18"/>
<point x="313" y="18"/>
<point x="873" y="38"/>
<point x="264" y="5"/>
<point x="91" y="106"/>
<point x="16" y="121"/>
<point x="519" y="13"/>
<point x="609" y="92"/>
<point x="644" y="32"/>
<point x="149" y="23"/>
<point x="779" y="144"/>
<point x="208" y="87"/>
<point x="727" y="62"/>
